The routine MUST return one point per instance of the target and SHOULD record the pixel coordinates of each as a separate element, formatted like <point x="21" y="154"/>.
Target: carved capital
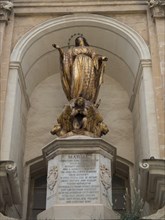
<point x="6" y="8"/>
<point x="157" y="8"/>
<point x="10" y="193"/>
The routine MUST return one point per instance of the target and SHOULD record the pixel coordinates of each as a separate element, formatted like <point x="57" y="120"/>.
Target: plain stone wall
<point x="160" y="86"/>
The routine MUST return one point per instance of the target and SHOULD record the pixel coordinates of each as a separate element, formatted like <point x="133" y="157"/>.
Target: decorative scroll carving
<point x="144" y="166"/>
<point x="52" y="177"/>
<point x="6" y="8"/>
<point x="157" y="8"/>
<point x="105" y="176"/>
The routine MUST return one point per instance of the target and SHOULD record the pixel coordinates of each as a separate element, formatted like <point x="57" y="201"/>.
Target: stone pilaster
<point x="6" y="8"/>
<point x="157" y="10"/>
<point x="79" y="179"/>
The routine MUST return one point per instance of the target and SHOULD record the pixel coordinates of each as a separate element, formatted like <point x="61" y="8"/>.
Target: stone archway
<point x="33" y="60"/>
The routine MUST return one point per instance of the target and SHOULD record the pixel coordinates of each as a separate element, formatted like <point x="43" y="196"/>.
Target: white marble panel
<point x="79" y="178"/>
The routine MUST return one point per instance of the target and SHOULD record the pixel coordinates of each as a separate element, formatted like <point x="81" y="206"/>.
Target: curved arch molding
<point x="123" y="46"/>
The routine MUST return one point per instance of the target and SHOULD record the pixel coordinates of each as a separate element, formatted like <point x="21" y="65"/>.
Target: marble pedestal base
<point x="79" y="179"/>
<point x="78" y="212"/>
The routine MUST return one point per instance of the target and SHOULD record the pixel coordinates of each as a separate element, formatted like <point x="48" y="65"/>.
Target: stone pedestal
<point x="79" y="179"/>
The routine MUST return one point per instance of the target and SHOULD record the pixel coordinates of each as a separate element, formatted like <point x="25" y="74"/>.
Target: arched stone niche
<point x="33" y="60"/>
<point x="47" y="101"/>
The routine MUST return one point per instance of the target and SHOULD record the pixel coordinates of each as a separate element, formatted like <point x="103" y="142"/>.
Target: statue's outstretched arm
<point x="59" y="49"/>
<point x="103" y="58"/>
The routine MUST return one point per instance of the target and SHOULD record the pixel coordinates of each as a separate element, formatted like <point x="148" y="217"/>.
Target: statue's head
<point x="80" y="102"/>
<point x="81" y="41"/>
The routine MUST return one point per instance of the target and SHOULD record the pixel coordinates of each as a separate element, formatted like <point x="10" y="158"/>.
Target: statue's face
<point x="80" y="102"/>
<point x="80" y="41"/>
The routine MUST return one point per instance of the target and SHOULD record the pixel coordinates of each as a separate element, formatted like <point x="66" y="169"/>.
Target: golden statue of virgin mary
<point x="81" y="76"/>
<point x="82" y="70"/>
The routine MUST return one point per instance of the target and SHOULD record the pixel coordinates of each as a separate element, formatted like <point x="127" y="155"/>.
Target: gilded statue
<point x="65" y="124"/>
<point x="80" y="117"/>
<point x="81" y="70"/>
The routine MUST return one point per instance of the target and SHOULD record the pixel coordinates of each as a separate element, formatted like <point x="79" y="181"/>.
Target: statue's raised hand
<point x="104" y="59"/>
<point x="56" y="46"/>
<point x="59" y="49"/>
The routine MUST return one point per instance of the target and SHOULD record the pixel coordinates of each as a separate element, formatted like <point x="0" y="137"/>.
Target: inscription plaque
<point x="79" y="181"/>
<point x="79" y="178"/>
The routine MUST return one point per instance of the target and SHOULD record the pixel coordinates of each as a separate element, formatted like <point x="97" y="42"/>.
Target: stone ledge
<point x="10" y="193"/>
<point x="78" y="144"/>
<point x="152" y="181"/>
<point x="3" y="217"/>
<point x="24" y="7"/>
<point x="160" y="214"/>
<point x="78" y="211"/>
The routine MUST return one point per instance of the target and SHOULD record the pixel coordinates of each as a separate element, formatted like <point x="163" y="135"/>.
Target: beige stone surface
<point x="83" y="212"/>
<point x="25" y="23"/>
<point x="137" y="22"/>
<point x="160" y="91"/>
<point x="6" y="34"/>
<point x="3" y="217"/>
<point x="160" y="214"/>
<point x="157" y="47"/>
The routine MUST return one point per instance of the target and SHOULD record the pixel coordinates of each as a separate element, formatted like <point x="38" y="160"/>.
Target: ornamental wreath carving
<point x="52" y="177"/>
<point x="105" y="176"/>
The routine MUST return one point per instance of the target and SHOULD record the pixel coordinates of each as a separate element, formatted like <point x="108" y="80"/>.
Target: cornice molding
<point x="6" y="8"/>
<point x="43" y="3"/>
<point x="22" y="7"/>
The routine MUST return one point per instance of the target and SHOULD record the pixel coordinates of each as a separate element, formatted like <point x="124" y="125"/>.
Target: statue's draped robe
<point x="82" y="73"/>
